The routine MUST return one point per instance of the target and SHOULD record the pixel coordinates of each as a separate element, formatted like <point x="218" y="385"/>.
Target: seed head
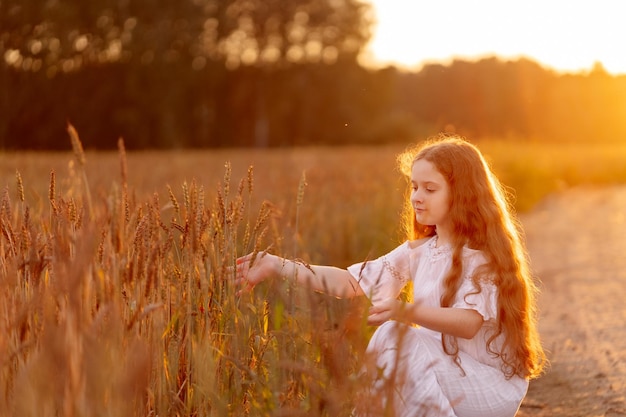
<point x="301" y="187"/>
<point x="20" y="186"/>
<point x="123" y="164"/>
<point x="77" y="146"/>
<point x="51" y="189"/>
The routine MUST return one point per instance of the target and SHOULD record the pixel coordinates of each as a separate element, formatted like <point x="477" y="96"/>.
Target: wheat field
<point x="115" y="289"/>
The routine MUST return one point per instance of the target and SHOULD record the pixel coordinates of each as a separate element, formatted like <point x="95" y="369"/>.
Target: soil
<point x="577" y="245"/>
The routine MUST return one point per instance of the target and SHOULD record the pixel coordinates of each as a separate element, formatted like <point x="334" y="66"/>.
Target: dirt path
<point x="577" y="245"/>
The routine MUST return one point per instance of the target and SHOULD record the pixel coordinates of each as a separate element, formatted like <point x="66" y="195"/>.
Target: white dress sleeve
<point x="485" y="302"/>
<point x="384" y="277"/>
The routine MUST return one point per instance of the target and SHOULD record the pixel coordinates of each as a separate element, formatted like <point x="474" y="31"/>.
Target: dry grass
<point x="534" y="170"/>
<point x="123" y="305"/>
<point x="115" y="295"/>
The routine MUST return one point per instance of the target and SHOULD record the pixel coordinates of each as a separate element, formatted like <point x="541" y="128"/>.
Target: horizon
<point x="567" y="37"/>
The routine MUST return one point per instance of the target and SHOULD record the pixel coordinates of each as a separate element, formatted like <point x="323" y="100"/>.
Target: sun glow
<point x="568" y="36"/>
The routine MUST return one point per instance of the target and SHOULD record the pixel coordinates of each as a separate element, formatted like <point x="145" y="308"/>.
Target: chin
<point x="423" y="221"/>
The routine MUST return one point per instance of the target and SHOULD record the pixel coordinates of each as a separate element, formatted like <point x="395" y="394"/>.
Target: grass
<point x="115" y="294"/>
<point x="534" y="170"/>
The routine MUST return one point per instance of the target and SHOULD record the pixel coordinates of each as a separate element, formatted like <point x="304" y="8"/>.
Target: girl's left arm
<point x="459" y="322"/>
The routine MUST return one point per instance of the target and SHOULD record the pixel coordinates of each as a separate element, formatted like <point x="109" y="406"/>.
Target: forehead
<point x="425" y="171"/>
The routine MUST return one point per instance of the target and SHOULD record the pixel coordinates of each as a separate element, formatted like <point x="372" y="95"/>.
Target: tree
<point x="237" y="32"/>
<point x="158" y="66"/>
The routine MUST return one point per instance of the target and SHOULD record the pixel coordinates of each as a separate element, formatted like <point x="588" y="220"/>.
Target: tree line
<point x="224" y="73"/>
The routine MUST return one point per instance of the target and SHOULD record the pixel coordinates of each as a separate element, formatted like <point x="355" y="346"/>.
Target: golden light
<point x="567" y="36"/>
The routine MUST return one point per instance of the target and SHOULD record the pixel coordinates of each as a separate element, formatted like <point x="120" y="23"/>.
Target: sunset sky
<point x="563" y="35"/>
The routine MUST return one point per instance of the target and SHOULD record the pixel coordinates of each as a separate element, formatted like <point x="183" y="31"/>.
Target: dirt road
<point x="577" y="245"/>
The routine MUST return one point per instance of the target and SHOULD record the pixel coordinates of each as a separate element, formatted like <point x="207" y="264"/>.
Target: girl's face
<point x="430" y="195"/>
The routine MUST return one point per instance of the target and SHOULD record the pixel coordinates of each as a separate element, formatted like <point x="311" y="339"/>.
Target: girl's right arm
<point x="337" y="282"/>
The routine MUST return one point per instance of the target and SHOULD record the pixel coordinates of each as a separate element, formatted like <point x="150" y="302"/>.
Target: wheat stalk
<point x="79" y="155"/>
<point x="20" y="186"/>
<point x="299" y="199"/>
<point x="123" y="162"/>
<point x="129" y="317"/>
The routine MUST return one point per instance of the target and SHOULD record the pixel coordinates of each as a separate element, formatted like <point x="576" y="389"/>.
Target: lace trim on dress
<point x="436" y="253"/>
<point x="393" y="271"/>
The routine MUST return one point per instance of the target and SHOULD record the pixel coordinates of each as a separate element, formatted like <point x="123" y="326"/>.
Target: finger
<point x="243" y="282"/>
<point x="375" y="309"/>
<point x="243" y="259"/>
<point x="242" y="268"/>
<point x="374" y="320"/>
<point x="246" y="287"/>
<point x="249" y="257"/>
<point x="375" y="315"/>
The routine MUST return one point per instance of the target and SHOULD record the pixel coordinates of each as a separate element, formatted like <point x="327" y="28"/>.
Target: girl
<point x="467" y="344"/>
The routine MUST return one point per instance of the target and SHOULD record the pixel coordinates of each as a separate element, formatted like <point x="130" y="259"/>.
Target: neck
<point x="443" y="237"/>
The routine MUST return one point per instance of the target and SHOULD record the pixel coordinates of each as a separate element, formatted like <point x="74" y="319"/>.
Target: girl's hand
<point x="252" y="269"/>
<point x="389" y="309"/>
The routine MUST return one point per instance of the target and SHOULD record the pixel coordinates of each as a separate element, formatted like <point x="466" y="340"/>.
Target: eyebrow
<point x="424" y="182"/>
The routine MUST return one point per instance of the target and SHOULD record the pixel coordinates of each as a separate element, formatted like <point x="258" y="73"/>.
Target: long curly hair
<point x="483" y="219"/>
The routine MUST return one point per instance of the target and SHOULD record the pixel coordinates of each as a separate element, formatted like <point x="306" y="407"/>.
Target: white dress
<point x="413" y="375"/>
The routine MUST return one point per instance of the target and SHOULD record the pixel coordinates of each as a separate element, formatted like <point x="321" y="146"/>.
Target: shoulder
<point x="469" y="253"/>
<point x="473" y="258"/>
<point x="476" y="264"/>
<point x="414" y="244"/>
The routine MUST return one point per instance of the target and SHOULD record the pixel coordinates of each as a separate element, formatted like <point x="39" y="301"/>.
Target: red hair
<point x="482" y="218"/>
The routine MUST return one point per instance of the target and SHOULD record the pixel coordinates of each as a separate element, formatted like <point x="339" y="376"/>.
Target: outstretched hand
<point x="252" y="269"/>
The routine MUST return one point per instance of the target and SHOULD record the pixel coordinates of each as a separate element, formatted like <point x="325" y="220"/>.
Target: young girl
<point x="468" y="344"/>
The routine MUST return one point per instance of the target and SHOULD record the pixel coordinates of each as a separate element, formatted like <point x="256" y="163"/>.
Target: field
<point x="114" y="279"/>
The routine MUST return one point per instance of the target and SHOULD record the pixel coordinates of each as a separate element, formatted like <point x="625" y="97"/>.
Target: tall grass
<point x="122" y="307"/>
<point x="116" y="295"/>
